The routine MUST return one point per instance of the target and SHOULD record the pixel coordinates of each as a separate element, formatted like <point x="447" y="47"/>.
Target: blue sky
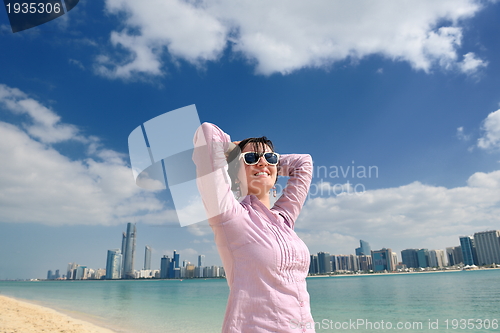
<point x="410" y="88"/>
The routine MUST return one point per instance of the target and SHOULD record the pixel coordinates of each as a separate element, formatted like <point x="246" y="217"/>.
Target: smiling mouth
<point x="261" y="174"/>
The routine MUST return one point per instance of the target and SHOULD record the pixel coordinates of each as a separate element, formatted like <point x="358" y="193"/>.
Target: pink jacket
<point x="266" y="263"/>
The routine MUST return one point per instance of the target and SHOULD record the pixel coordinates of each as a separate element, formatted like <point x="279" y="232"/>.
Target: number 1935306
<point x="33" y="8"/>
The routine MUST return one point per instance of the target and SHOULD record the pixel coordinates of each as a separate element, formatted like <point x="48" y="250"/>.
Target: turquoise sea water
<point x="426" y="302"/>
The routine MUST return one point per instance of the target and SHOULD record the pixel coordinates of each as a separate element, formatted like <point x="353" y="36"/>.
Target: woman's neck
<point x="264" y="198"/>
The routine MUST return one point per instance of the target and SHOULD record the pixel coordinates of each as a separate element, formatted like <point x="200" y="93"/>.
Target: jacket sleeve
<point x="299" y="168"/>
<point x="213" y="181"/>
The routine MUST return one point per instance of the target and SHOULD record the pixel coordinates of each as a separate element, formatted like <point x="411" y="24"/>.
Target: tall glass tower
<point x="410" y="258"/>
<point x="364" y="249"/>
<point x="114" y="264"/>
<point x="201" y="258"/>
<point x="164" y="268"/>
<point x="488" y="247"/>
<point x="324" y="263"/>
<point x="147" y="258"/>
<point x="129" y="252"/>
<point x="468" y="250"/>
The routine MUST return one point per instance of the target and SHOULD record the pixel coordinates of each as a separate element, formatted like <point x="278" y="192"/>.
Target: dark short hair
<point x="235" y="153"/>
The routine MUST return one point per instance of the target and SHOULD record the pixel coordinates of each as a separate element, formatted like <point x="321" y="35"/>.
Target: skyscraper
<point x="382" y="260"/>
<point x="147" y="258"/>
<point x="129" y="254"/>
<point x="365" y="263"/>
<point x="114" y="264"/>
<point x="433" y="259"/>
<point x="201" y="259"/>
<point x="124" y="246"/>
<point x="364" y="248"/>
<point x="468" y="250"/>
<point x="410" y="258"/>
<point x="324" y="264"/>
<point x="454" y="255"/>
<point x="313" y="265"/>
<point x="423" y="258"/>
<point x="174" y="271"/>
<point x="488" y="247"/>
<point x="164" y="268"/>
<point x="71" y="272"/>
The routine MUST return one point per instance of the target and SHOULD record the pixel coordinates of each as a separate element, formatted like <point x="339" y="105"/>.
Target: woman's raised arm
<point x="214" y="184"/>
<point x="299" y="168"/>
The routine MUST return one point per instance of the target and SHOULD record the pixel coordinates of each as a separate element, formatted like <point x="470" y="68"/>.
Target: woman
<point x="265" y="261"/>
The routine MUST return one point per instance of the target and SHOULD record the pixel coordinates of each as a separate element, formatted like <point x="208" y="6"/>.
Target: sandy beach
<point x="22" y="317"/>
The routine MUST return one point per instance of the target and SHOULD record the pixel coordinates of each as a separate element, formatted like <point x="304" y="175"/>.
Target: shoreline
<point x="26" y="317"/>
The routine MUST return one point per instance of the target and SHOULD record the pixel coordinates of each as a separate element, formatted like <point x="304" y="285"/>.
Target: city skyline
<point x="480" y="249"/>
<point x="411" y="258"/>
<point x="169" y="268"/>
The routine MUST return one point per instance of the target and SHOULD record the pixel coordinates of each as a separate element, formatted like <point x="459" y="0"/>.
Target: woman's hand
<point x="232" y="146"/>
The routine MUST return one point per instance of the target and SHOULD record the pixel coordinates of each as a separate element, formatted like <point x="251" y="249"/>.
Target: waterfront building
<point x="454" y="255"/>
<point x="354" y="262"/>
<point x="441" y="258"/>
<point x="147" y="258"/>
<point x="457" y="253"/>
<point x="364" y="249"/>
<point x="174" y="271"/>
<point x="81" y="273"/>
<point x="488" y="247"/>
<point x="340" y="262"/>
<point x="164" y="267"/>
<point x="332" y="263"/>
<point x="49" y="275"/>
<point x="114" y="264"/>
<point x="314" y="265"/>
<point x="212" y="271"/>
<point x="432" y="258"/>
<point x="450" y="256"/>
<point x="71" y="271"/>
<point x="189" y="271"/>
<point x="423" y="258"/>
<point x="468" y="247"/>
<point x="145" y="274"/>
<point x="201" y="259"/>
<point x="394" y="262"/>
<point x="124" y="246"/>
<point x="324" y="264"/>
<point x="129" y="254"/>
<point x="410" y="258"/>
<point x="383" y="260"/>
<point x="198" y="272"/>
<point x="365" y="263"/>
<point x="98" y="274"/>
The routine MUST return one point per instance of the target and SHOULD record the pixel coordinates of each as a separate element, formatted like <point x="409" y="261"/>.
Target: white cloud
<point x="283" y="37"/>
<point x="491" y="128"/>
<point x="415" y="214"/>
<point x="461" y="134"/>
<point x="77" y="63"/>
<point x="38" y="184"/>
<point x="471" y="64"/>
<point x="43" y="123"/>
<point x="189" y="33"/>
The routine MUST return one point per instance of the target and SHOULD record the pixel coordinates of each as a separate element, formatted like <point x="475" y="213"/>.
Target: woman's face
<point x="257" y="179"/>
